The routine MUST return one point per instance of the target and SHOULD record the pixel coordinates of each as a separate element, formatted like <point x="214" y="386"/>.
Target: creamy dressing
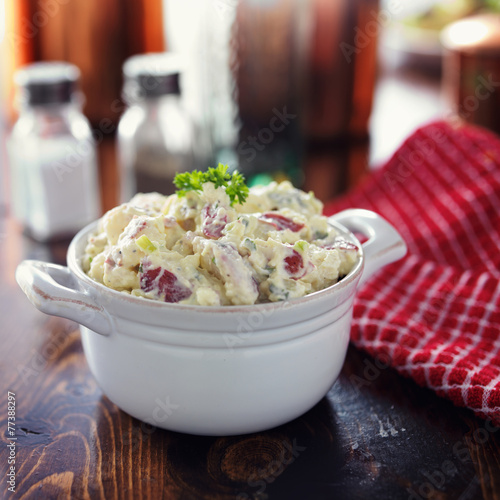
<point x="198" y="249"/>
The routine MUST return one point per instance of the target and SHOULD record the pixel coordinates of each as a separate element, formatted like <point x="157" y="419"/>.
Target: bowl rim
<point x="74" y="264"/>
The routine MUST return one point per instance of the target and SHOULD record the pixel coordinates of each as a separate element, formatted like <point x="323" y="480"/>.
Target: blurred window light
<point x="401" y="9"/>
<point x="262" y="3"/>
<point x="2" y="20"/>
<point x="467" y="32"/>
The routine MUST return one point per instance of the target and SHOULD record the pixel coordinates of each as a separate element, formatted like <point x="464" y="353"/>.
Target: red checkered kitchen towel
<point x="436" y="314"/>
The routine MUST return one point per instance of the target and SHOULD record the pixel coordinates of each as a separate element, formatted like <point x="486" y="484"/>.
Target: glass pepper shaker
<point x="52" y="154"/>
<point x="155" y="133"/>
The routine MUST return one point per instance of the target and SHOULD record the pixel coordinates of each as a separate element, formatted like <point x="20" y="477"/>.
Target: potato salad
<point x="200" y="247"/>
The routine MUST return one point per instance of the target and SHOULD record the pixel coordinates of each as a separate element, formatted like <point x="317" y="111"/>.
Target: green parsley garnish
<point x="234" y="183"/>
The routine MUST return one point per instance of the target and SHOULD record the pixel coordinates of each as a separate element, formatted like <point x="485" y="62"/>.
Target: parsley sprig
<point x="234" y="183"/>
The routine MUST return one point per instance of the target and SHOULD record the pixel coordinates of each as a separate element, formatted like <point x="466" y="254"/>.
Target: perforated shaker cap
<point x="45" y="83"/>
<point x="152" y="75"/>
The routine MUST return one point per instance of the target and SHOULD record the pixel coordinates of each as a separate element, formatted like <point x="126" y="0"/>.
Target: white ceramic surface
<point x="212" y="370"/>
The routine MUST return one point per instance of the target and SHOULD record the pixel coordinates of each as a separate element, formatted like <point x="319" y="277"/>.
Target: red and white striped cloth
<point x="435" y="315"/>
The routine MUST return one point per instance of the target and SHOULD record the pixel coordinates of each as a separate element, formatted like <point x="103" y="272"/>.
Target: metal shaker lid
<point x="45" y="83"/>
<point x="151" y="75"/>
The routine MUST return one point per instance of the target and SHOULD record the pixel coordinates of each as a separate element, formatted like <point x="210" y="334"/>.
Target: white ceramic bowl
<point x="212" y="370"/>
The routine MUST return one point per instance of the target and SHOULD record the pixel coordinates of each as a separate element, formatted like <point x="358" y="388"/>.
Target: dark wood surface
<point x="376" y="434"/>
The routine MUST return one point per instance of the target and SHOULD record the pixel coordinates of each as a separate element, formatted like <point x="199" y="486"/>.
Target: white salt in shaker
<point x="156" y="137"/>
<point x="52" y="154"/>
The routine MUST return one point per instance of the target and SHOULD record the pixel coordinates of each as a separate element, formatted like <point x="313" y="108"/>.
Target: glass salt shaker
<point x="155" y="133"/>
<point x="52" y="154"/>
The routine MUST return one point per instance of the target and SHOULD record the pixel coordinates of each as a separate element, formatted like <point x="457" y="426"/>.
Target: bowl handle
<point x="384" y="244"/>
<point x="51" y="289"/>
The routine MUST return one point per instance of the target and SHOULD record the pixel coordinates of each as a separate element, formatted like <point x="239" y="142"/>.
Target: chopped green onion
<point x="269" y="269"/>
<point x="145" y="243"/>
<point x="320" y="235"/>
<point x="250" y="244"/>
<point x="301" y="245"/>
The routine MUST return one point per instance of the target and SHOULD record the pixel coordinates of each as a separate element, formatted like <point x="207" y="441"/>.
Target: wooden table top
<point x="375" y="435"/>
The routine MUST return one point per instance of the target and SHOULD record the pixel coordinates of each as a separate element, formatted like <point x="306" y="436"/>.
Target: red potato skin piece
<point x="169" y="221"/>
<point x="164" y="283"/>
<point x="294" y="265"/>
<point x="110" y="262"/>
<point x="281" y="222"/>
<point x="138" y="229"/>
<point x="212" y="225"/>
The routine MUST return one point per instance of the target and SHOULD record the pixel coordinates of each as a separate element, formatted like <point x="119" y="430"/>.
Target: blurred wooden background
<point x="95" y="35"/>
